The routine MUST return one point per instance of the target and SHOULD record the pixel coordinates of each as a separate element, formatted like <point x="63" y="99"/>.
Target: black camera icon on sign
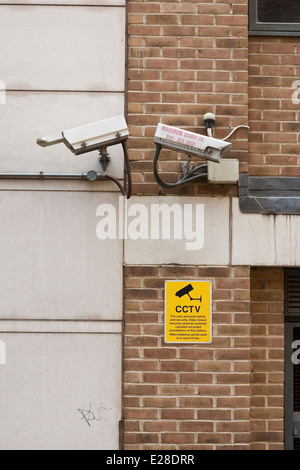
<point x="186" y="291"/>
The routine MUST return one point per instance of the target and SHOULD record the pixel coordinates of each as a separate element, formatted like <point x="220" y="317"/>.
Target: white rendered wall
<point x="230" y="237"/>
<point x="62" y="66"/>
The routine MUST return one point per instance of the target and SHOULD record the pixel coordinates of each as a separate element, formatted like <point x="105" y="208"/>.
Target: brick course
<point x="274" y="145"/>
<point x="187" y="396"/>
<point x="267" y="358"/>
<point x="202" y="397"/>
<point x="185" y="59"/>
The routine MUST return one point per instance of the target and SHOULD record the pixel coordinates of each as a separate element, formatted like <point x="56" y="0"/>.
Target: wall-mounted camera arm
<point x="191" y="144"/>
<point x="188" y="177"/>
<point x="97" y="136"/>
<point x="128" y="187"/>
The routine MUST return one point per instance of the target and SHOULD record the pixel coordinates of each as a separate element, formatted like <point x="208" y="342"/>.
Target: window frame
<point x="269" y="29"/>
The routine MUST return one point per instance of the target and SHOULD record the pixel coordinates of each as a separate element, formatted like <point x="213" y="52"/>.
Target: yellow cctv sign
<point x="188" y="312"/>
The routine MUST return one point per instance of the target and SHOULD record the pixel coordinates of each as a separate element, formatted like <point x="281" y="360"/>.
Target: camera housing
<point x="90" y="137"/>
<point x="96" y="136"/>
<point x="190" y="143"/>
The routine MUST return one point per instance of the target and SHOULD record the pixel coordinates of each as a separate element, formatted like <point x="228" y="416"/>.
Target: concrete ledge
<point x="264" y="239"/>
<point x="264" y="195"/>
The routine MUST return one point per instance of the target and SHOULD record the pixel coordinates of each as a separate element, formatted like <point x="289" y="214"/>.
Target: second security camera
<point x="191" y="143"/>
<point x="90" y="137"/>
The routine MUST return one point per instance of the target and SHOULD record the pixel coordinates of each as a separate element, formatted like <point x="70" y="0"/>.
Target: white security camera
<point x="96" y="136"/>
<point x="194" y="145"/>
<point x="190" y="143"/>
<point x="91" y="136"/>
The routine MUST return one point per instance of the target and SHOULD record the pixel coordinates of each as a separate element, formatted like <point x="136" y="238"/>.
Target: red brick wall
<point x="185" y="59"/>
<point x="267" y="358"/>
<point x="200" y="397"/>
<point x="188" y="58"/>
<point x="274" y="64"/>
<point x="187" y="396"/>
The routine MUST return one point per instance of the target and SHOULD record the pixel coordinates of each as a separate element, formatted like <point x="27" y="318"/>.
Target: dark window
<point x="292" y="359"/>
<point x="292" y="292"/>
<point x="292" y="387"/>
<point x="274" y="17"/>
